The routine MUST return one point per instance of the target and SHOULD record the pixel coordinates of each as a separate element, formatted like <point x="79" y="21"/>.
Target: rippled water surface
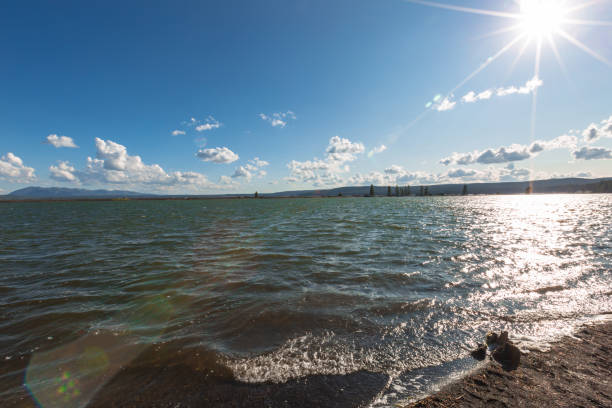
<point x="280" y="289"/>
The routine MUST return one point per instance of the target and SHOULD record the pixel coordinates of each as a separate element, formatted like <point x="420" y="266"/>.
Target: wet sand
<point x="575" y="372"/>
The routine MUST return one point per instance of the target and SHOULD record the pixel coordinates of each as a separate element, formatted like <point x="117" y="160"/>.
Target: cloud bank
<point x="113" y="164"/>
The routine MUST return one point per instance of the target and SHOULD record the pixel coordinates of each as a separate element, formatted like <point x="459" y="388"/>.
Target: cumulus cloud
<point x="63" y="172"/>
<point x="12" y="169"/>
<point x="518" y="152"/>
<point x="397" y="175"/>
<point x="113" y="164"/>
<point x="503" y="154"/>
<point x="321" y="172"/>
<point x="242" y="172"/>
<point x="377" y="150"/>
<point x="592" y="153"/>
<point x="60" y="141"/>
<point x="252" y="168"/>
<point x="178" y="132"/>
<point x="208" y="126"/>
<point x="343" y="150"/>
<point x="217" y="155"/>
<point x="448" y="103"/>
<point x="594" y="131"/>
<point x="512" y="153"/>
<point x="278" y="119"/>
<point x="258" y="162"/>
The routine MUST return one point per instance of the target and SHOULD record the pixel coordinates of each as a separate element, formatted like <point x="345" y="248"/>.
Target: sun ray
<point x="534" y="100"/>
<point x="553" y="46"/>
<point x="518" y="56"/>
<point x="500" y="31"/>
<point x="465" y="9"/>
<point x="466" y="79"/>
<point x="584" y="48"/>
<point x="487" y="62"/>
<point x="583" y="5"/>
<point x="575" y="21"/>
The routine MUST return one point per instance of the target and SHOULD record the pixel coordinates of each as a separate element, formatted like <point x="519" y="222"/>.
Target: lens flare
<point x="541" y="17"/>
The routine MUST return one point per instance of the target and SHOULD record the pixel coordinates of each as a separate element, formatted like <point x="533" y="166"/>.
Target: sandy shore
<point x="575" y="372"/>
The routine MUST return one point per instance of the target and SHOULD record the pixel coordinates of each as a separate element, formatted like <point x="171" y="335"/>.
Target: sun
<point x="539" y="18"/>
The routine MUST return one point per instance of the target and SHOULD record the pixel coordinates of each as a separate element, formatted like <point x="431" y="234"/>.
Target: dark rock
<point x="491" y="338"/>
<point x="480" y="352"/>
<point x="508" y="355"/>
<point x="502" y="338"/>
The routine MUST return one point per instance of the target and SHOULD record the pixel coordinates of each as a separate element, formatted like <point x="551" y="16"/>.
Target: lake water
<point x="359" y="301"/>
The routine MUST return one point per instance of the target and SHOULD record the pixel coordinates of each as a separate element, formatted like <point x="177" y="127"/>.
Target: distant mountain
<point x="566" y="185"/>
<point x="59" y="193"/>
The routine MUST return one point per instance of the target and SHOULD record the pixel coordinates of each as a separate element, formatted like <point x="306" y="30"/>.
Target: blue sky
<point x="237" y="96"/>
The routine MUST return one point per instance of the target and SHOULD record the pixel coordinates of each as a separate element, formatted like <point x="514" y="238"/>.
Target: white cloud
<point x="518" y="152"/>
<point x="207" y="126"/>
<point x="343" y="150"/>
<point x="113" y="165"/>
<point x="485" y="95"/>
<point x="63" y="172"/>
<point x="201" y="125"/>
<point x="512" y="153"/>
<point x="377" y="150"/>
<point x="593" y="132"/>
<point x="503" y="154"/>
<point x="13" y="169"/>
<point x="242" y="172"/>
<point x="445" y="105"/>
<point x="253" y="167"/>
<point x="397" y="175"/>
<point x="218" y="155"/>
<point x="279" y="119"/>
<point x="61" y="141"/>
<point x="258" y="162"/>
<point x="592" y="153"/>
<point x="326" y="172"/>
<point x="471" y="97"/>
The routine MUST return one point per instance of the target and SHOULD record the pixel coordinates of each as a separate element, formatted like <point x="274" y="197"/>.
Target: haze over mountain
<point x="566" y="185"/>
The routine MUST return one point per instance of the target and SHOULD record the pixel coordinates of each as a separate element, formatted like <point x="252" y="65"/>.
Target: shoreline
<point x="575" y="371"/>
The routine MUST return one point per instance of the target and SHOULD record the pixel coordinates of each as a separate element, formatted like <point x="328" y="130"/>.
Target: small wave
<point x="541" y="291"/>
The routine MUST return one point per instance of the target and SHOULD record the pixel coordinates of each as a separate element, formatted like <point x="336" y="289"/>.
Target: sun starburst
<point x="535" y="21"/>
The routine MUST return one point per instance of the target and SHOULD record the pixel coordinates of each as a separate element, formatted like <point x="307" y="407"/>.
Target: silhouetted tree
<point x="388" y="191"/>
<point x="426" y="191"/>
<point x="371" y="190"/>
<point x="464" y="192"/>
<point x="407" y="190"/>
<point x="256" y="195"/>
<point x="421" y="191"/>
<point x="397" y="190"/>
